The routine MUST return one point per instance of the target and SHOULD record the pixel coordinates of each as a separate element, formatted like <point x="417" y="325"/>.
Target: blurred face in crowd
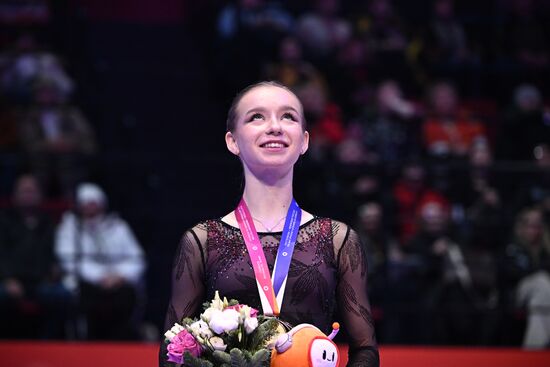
<point x="541" y="154"/>
<point x="387" y="95"/>
<point x="290" y="50"/>
<point x="27" y="194"/>
<point x="371" y="217"/>
<point x="314" y="100"/>
<point x="380" y="9"/>
<point x="327" y="7"/>
<point x="443" y="99"/>
<point x="269" y="131"/>
<point x="529" y="228"/>
<point x="434" y="218"/>
<point x="91" y="209"/>
<point x="413" y="175"/>
<point x="444" y="9"/>
<point x="480" y="155"/>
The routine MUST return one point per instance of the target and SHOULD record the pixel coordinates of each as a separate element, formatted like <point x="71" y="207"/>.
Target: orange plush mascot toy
<point x="306" y="346"/>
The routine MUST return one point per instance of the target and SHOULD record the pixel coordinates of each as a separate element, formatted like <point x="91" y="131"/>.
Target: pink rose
<point x="253" y="311"/>
<point x="181" y="343"/>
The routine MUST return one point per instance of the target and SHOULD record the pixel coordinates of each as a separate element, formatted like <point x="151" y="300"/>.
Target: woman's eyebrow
<point x="255" y="109"/>
<point x="287" y="107"/>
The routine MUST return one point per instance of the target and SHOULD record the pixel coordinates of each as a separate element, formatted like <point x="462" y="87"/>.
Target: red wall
<point x="58" y="354"/>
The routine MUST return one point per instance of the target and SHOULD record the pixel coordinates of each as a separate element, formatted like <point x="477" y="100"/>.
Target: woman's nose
<point x="274" y="125"/>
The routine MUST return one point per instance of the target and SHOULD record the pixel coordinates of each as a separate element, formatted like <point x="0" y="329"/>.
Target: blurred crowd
<point x="430" y="125"/>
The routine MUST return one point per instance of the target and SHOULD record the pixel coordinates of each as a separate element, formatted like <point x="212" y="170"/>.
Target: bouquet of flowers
<point x="226" y="334"/>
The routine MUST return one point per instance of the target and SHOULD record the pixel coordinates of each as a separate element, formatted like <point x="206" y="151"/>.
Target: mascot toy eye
<point x="323" y="353"/>
<point x="306" y="346"/>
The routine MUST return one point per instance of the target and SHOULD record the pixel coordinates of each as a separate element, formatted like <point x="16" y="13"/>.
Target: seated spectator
<point x="477" y="199"/>
<point x="445" y="50"/>
<point x="526" y="275"/>
<point x="522" y="37"/>
<point x="444" y="278"/>
<point x="33" y="302"/>
<point x="381" y="248"/>
<point x="409" y="192"/>
<point x="26" y="65"/>
<point x="449" y="132"/>
<point x="525" y="126"/>
<point x="325" y="121"/>
<point x="249" y="32"/>
<point x="102" y="261"/>
<point x="323" y="31"/>
<point x="386" y="41"/>
<point x="57" y="139"/>
<point x="389" y="132"/>
<point x="292" y="70"/>
<point x="533" y="189"/>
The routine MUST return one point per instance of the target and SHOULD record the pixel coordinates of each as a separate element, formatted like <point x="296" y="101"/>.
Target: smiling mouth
<point x="274" y="145"/>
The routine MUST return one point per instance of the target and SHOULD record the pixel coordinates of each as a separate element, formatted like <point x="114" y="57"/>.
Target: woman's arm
<point x="187" y="281"/>
<point x="353" y="299"/>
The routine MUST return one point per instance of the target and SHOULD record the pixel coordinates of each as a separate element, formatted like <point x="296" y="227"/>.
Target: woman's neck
<point x="268" y="198"/>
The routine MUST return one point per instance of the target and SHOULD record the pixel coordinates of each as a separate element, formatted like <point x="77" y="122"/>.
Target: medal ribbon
<point x="271" y="292"/>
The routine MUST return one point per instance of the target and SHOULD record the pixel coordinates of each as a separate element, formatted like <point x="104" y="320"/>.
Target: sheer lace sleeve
<point x="187" y="281"/>
<point x="352" y="297"/>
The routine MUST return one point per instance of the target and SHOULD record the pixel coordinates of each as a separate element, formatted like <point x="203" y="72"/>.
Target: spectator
<point x="386" y="41"/>
<point x="449" y="132"/>
<point x="409" y="192"/>
<point x="389" y="132"/>
<point x="325" y="122"/>
<point x="522" y="38"/>
<point x="535" y="188"/>
<point x="445" y="49"/>
<point x="526" y="276"/>
<point x="57" y="139"/>
<point x="249" y="32"/>
<point x="292" y="70"/>
<point x="103" y="260"/>
<point x="323" y="31"/>
<point x="444" y="279"/>
<point x="527" y="122"/>
<point x="27" y="65"/>
<point x="381" y="248"/>
<point x="33" y="302"/>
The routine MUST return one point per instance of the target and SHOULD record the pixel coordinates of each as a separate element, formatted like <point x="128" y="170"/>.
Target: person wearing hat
<point x="103" y="263"/>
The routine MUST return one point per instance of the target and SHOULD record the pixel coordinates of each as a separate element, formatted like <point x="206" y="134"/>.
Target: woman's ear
<point x="231" y="143"/>
<point x="305" y="143"/>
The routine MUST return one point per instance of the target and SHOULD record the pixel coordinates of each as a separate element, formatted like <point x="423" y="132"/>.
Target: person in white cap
<point x="103" y="263"/>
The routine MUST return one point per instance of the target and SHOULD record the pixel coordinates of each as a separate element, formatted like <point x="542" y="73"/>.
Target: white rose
<point x="169" y="335"/>
<point x="200" y="329"/>
<point x="207" y="314"/>
<point x="217" y="343"/>
<point x="224" y="321"/>
<point x="250" y="324"/>
<point x="176" y="328"/>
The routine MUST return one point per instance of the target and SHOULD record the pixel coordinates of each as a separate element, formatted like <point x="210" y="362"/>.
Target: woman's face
<point x="269" y="129"/>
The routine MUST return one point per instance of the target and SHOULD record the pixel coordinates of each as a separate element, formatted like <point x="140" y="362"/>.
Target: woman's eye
<point x="289" y="116"/>
<point x="256" y="116"/>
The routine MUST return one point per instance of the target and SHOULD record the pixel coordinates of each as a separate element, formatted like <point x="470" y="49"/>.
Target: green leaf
<point x="261" y="358"/>
<point x="237" y="358"/>
<point x="263" y="332"/>
<point x="221" y="357"/>
<point x="187" y="321"/>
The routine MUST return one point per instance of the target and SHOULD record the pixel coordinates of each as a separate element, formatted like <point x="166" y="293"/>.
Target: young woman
<point x="320" y="266"/>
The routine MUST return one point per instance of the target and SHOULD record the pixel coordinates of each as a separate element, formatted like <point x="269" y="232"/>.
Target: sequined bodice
<point x="312" y="273"/>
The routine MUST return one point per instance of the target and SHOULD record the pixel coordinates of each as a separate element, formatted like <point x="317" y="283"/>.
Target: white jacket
<point x="92" y="250"/>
